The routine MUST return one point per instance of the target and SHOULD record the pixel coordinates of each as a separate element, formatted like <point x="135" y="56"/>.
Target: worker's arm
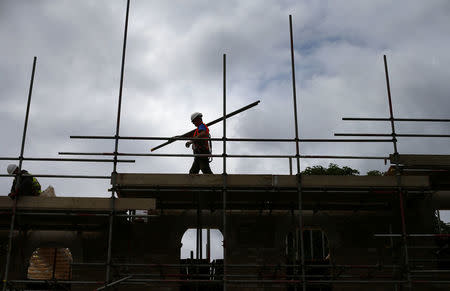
<point x="202" y="134"/>
<point x="13" y="192"/>
<point x="13" y="187"/>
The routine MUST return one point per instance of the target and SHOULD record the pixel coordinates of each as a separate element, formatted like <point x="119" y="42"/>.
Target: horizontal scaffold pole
<point x="228" y="156"/>
<point x="65" y="160"/>
<point x="396" y="119"/>
<point x="234" y="139"/>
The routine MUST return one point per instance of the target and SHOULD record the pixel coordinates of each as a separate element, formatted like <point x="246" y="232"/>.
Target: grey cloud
<point x="174" y="67"/>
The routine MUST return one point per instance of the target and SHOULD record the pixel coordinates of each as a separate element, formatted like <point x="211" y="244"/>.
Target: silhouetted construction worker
<point x="200" y="146"/>
<point x="28" y="185"/>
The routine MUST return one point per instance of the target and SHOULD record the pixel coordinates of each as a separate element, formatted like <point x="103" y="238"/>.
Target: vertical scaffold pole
<point x="290" y="166"/>
<point x="224" y="174"/>
<point x="116" y="147"/>
<point x="199" y="237"/>
<point x="208" y="245"/>
<point x="299" y="185"/>
<point x="13" y="217"/>
<point x="397" y="174"/>
<point x="439" y="221"/>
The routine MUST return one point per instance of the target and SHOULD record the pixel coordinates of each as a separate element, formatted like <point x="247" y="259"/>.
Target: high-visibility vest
<point x="36" y="187"/>
<point x="202" y="145"/>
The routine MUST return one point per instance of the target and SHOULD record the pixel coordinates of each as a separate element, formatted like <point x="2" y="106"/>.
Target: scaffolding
<point x="299" y="275"/>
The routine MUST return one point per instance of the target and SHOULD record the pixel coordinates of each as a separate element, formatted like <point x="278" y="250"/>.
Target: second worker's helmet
<point x="11" y="168"/>
<point x="195" y="115"/>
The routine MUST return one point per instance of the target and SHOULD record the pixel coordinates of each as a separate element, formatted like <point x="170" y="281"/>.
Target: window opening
<point x="50" y="264"/>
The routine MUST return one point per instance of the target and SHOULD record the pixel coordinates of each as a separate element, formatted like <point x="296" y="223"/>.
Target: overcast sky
<point x="174" y="67"/>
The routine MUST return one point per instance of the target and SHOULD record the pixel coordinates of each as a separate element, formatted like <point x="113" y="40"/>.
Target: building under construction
<point x="288" y="232"/>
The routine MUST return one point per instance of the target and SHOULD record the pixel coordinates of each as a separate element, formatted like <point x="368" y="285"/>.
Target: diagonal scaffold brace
<point x="114" y="283"/>
<point x="190" y="133"/>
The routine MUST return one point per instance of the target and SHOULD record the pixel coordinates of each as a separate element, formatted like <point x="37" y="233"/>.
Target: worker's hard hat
<point x="195" y="115"/>
<point x="11" y="168"/>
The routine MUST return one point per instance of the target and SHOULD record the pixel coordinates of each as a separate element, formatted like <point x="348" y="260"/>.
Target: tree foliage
<point x="374" y="173"/>
<point x="441" y="226"/>
<point x="332" y="169"/>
